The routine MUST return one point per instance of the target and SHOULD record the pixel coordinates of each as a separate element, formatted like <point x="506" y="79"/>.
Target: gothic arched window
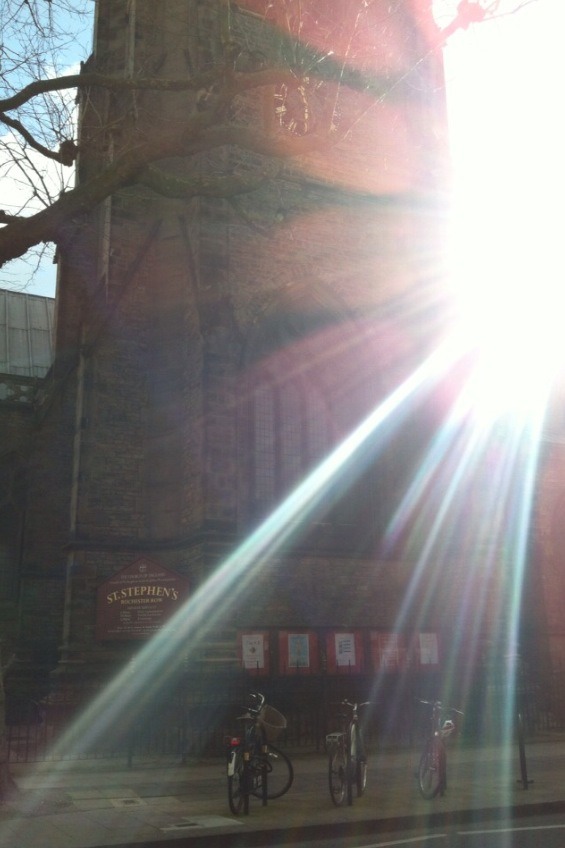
<point x="306" y="388"/>
<point x="290" y="434"/>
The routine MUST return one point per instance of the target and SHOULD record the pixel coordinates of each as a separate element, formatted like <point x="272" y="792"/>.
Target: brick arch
<point x="298" y="312"/>
<point x="310" y="330"/>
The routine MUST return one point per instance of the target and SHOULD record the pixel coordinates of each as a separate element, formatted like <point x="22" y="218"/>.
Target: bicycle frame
<point x="432" y="769"/>
<point x="251" y="745"/>
<point x="254" y="765"/>
<point x="346" y="755"/>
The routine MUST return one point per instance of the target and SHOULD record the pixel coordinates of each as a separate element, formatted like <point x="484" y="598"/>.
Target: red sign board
<point x="138" y="600"/>
<point x="298" y="652"/>
<point x="397" y="651"/>
<point x="389" y="651"/>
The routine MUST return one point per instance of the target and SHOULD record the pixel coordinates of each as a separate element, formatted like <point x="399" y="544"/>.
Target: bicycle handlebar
<point x="439" y="706"/>
<point x="354" y="706"/>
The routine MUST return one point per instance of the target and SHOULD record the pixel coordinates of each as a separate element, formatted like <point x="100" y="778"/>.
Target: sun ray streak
<point x="474" y="490"/>
<point x="191" y="624"/>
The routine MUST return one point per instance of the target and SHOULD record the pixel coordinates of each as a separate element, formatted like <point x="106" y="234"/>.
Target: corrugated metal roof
<point x="26" y="333"/>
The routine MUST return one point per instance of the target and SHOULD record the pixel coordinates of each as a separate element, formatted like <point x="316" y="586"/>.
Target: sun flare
<point x="510" y="301"/>
<point x="505" y="256"/>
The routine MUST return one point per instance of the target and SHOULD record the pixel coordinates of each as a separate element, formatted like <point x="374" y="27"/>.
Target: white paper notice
<point x="345" y="648"/>
<point x="253" y="650"/>
<point x="428" y="649"/>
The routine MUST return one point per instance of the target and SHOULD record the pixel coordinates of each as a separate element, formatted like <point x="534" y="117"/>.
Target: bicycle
<point x="254" y="765"/>
<point x="432" y="768"/>
<point x="347" y="756"/>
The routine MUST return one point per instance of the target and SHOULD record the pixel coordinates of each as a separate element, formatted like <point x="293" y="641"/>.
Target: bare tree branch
<point x="210" y="123"/>
<point x="130" y="167"/>
<point x="66" y="154"/>
<point x="326" y="68"/>
<point x="88" y="80"/>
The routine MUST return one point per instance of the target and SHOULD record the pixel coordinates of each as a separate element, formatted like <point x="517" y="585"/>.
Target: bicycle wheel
<point x="358" y="761"/>
<point x="338" y="775"/>
<point x="431" y="768"/>
<point x="351" y="757"/>
<point x="280" y="774"/>
<point x="361" y="777"/>
<point x="236" y="785"/>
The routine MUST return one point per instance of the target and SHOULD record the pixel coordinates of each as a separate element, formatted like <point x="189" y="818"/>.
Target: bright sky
<point x="507" y="138"/>
<point x="507" y="129"/>
<point x="507" y="134"/>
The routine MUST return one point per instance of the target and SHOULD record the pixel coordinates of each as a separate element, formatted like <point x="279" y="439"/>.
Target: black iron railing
<point x="194" y="715"/>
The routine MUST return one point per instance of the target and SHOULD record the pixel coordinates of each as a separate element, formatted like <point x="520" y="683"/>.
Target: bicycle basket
<point x="446" y="728"/>
<point x="272" y="722"/>
<point x="333" y="740"/>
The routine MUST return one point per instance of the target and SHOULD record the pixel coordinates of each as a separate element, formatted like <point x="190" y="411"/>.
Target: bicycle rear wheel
<point x="338" y="775"/>
<point x="431" y="769"/>
<point x="280" y="774"/>
<point x="236" y="785"/>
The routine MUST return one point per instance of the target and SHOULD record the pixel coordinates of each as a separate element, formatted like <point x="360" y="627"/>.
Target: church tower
<point x="227" y="320"/>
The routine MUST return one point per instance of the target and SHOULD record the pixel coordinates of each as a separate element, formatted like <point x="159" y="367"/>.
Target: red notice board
<point x="388" y="651"/>
<point x="396" y="651"/>
<point x="254" y="651"/>
<point x="344" y="651"/>
<point x="298" y="652"/>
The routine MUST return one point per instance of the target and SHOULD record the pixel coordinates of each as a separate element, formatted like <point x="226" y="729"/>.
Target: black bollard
<point x="522" y="752"/>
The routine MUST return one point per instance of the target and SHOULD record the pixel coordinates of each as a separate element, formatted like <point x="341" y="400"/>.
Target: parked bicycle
<point x="432" y="769"/>
<point x="347" y="756"/>
<point x="254" y="765"/>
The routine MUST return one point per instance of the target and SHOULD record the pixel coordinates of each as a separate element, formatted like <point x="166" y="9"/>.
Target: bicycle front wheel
<point x="431" y="769"/>
<point x="280" y="774"/>
<point x="358" y="761"/>
<point x="236" y="784"/>
<point x="361" y="776"/>
<point x="338" y="775"/>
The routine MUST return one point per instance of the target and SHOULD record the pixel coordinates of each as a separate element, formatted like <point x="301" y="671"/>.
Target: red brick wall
<point x="152" y="460"/>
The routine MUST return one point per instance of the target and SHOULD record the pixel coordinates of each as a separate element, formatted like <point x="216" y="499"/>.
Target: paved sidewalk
<point x="99" y="803"/>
